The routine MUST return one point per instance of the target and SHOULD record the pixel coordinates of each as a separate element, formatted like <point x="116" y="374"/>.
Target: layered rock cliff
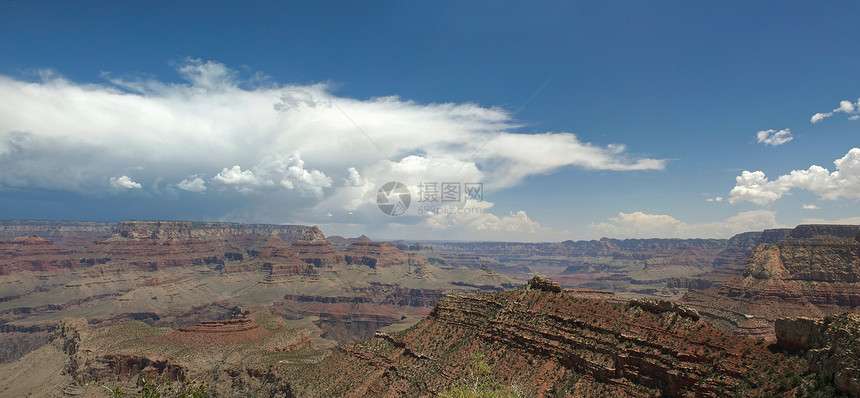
<point x="549" y="343"/>
<point x="832" y="347"/>
<point x="813" y="271"/>
<point x="313" y="248"/>
<point x="154" y="245"/>
<point x="68" y="234"/>
<point x="32" y="253"/>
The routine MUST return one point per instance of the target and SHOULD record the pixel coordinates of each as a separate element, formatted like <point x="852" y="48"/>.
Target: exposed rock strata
<point x="813" y="271"/>
<point x="313" y="248"/>
<point x="553" y="344"/>
<point x="831" y="344"/>
<point x="32" y="253"/>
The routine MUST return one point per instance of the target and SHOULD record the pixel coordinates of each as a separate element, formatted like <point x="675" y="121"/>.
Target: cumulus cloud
<point x="810" y="207"/>
<point x="273" y="149"/>
<point x="123" y="182"/>
<point x="774" y="137"/>
<point x="192" y="184"/>
<point x="820" y="116"/>
<point x="177" y="130"/>
<point x="474" y="217"/>
<point x="276" y="171"/>
<point x="844" y="182"/>
<point x="354" y="178"/>
<point x="715" y="199"/>
<point x="846" y="107"/>
<point x="642" y="225"/>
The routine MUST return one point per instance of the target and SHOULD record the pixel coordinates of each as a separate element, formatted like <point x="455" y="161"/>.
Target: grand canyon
<point x="283" y="310"/>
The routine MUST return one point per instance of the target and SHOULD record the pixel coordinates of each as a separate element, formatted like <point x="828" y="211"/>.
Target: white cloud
<point x="287" y="141"/>
<point x="276" y="171"/>
<point x="819" y="117"/>
<point x="124" y="182"/>
<point x="473" y="217"/>
<point x="354" y="179"/>
<point x="192" y="184"/>
<point x="844" y="107"/>
<point x="243" y="181"/>
<point x="643" y="225"/>
<point x="214" y="120"/>
<point x="844" y="182"/>
<point x="774" y="137"/>
<point x="529" y="154"/>
<point x="715" y="199"/>
<point x="810" y="207"/>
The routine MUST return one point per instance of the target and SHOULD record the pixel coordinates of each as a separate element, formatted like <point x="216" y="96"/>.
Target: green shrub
<point x="162" y="389"/>
<point x="481" y="386"/>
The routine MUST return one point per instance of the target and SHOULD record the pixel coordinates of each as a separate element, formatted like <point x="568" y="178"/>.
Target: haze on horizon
<point x="579" y="121"/>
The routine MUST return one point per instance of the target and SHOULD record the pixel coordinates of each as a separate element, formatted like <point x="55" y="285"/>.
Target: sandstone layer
<point x="813" y="271"/>
<point x="550" y="343"/>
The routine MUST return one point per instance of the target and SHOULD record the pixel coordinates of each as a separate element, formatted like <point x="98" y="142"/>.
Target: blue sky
<point x="582" y="121"/>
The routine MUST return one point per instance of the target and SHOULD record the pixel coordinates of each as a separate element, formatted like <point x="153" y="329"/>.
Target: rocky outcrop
<point x="166" y="230"/>
<point x="313" y="248"/>
<point x="375" y="254"/>
<point x="552" y="344"/>
<point x="659" y="306"/>
<point x="732" y="260"/>
<point x="541" y="283"/>
<point x="282" y="265"/>
<point x="824" y="232"/>
<point x="212" y="333"/>
<point x="832" y="346"/>
<point x="800" y="333"/>
<point x="402" y="245"/>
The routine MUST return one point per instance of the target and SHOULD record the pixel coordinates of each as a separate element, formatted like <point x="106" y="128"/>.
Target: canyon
<point x="541" y="339"/>
<point x="814" y="270"/>
<point x="176" y="274"/>
<point x="282" y="310"/>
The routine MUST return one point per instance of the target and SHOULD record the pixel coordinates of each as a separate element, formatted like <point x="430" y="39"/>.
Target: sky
<point x="577" y="121"/>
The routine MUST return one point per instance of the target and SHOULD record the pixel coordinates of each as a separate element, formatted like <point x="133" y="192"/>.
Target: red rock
<point x="375" y="254"/>
<point x="313" y="248"/>
<point x="31" y="253"/>
<point x="814" y="272"/>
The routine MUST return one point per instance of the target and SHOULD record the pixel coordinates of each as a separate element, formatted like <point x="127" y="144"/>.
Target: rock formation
<point x="313" y="248"/>
<point x="659" y="306"/>
<point x="67" y="234"/>
<point x="153" y="245"/>
<point x="541" y="283"/>
<point x="552" y="344"/>
<point x="231" y="331"/>
<point x="832" y="346"/>
<point x="813" y="271"/>
<point x="32" y="253"/>
<point x="376" y="254"/>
